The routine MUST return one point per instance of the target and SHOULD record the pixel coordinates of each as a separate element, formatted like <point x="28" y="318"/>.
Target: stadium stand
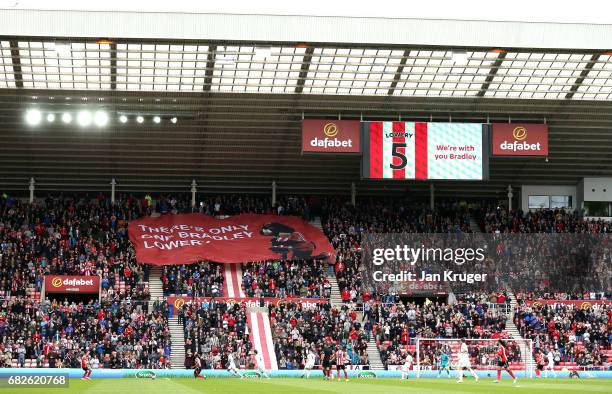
<point x="58" y="242"/>
<point x="214" y="329"/>
<point x="578" y="337"/>
<point x="286" y="279"/>
<point x="397" y="325"/>
<point x="344" y="225"/>
<point x="204" y="279"/>
<point x="69" y="235"/>
<point x="297" y="329"/>
<point x="497" y="220"/>
<point x="55" y="334"/>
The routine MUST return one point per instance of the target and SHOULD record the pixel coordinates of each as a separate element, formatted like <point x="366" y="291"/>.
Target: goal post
<point x="483" y="354"/>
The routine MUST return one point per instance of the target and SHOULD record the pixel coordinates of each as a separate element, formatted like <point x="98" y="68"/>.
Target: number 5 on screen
<point x="396" y="153"/>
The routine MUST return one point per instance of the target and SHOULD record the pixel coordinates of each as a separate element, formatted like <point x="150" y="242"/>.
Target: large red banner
<point x="187" y="238"/>
<point x="519" y="139"/>
<point x="71" y="284"/>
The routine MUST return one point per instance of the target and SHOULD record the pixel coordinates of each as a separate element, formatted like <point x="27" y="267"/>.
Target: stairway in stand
<point x="261" y="335"/>
<point x="335" y="297"/>
<point x="156" y="289"/>
<point x="177" y="357"/>
<point x="514" y="332"/>
<point x="372" y="349"/>
<point x="374" y="355"/>
<point x="316" y="222"/>
<point x="474" y="226"/>
<point x="177" y="334"/>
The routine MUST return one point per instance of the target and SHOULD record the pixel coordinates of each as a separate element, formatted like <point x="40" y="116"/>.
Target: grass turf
<point x="318" y="385"/>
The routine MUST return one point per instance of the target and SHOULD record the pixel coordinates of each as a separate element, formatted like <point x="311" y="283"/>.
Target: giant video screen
<point x="424" y="150"/>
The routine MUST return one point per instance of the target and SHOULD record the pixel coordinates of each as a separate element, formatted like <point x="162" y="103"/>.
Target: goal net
<point x="483" y="354"/>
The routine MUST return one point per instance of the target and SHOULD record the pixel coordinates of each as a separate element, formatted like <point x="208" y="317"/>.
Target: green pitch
<point x="318" y="385"/>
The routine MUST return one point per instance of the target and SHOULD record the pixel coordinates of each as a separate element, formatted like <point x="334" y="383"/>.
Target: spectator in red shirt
<point x="346" y="295"/>
<point x="405" y="336"/>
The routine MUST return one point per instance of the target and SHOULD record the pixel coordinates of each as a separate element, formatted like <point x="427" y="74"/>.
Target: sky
<point x="562" y="11"/>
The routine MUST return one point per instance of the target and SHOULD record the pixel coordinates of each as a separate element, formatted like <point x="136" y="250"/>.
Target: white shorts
<point x="232" y="367"/>
<point x="551" y="365"/>
<point x="406" y="367"/>
<point x="309" y="366"/>
<point x="464" y="362"/>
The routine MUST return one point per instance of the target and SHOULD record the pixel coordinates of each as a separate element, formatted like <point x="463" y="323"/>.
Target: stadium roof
<point x="287" y="54"/>
<point x="304" y="69"/>
<point x="241" y="84"/>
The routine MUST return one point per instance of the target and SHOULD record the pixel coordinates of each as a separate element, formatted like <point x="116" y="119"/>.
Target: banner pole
<point x="113" y="185"/>
<point x="32" y="187"/>
<point x="530" y="358"/>
<point x="194" y="189"/>
<point x="273" y="193"/>
<point x="418" y="353"/>
<point x="431" y="196"/>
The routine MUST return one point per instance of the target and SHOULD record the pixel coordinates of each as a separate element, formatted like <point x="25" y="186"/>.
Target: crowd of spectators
<point x="215" y="329"/>
<point x="483" y="354"/>
<point x="286" y="279"/>
<point x="545" y="295"/>
<point x="201" y="279"/>
<point x="230" y="205"/>
<point x="533" y="264"/>
<point x="344" y="225"/>
<point x="87" y="235"/>
<point x="498" y="297"/>
<point x="51" y="334"/>
<point x="206" y="279"/>
<point x="395" y="326"/>
<point x="296" y="329"/>
<point x="552" y="252"/>
<point x="575" y="334"/>
<point x="69" y="235"/>
<point x="499" y="220"/>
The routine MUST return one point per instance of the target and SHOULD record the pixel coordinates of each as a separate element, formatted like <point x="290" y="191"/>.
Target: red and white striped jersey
<point x="341" y="357"/>
<point x="501" y="352"/>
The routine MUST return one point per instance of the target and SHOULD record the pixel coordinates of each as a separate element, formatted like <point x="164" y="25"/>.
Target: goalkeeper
<point x="444" y="364"/>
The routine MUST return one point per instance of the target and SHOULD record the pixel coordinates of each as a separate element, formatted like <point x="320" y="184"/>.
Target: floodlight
<point x="100" y="118"/>
<point x="33" y="117"/>
<point x="84" y="118"/>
